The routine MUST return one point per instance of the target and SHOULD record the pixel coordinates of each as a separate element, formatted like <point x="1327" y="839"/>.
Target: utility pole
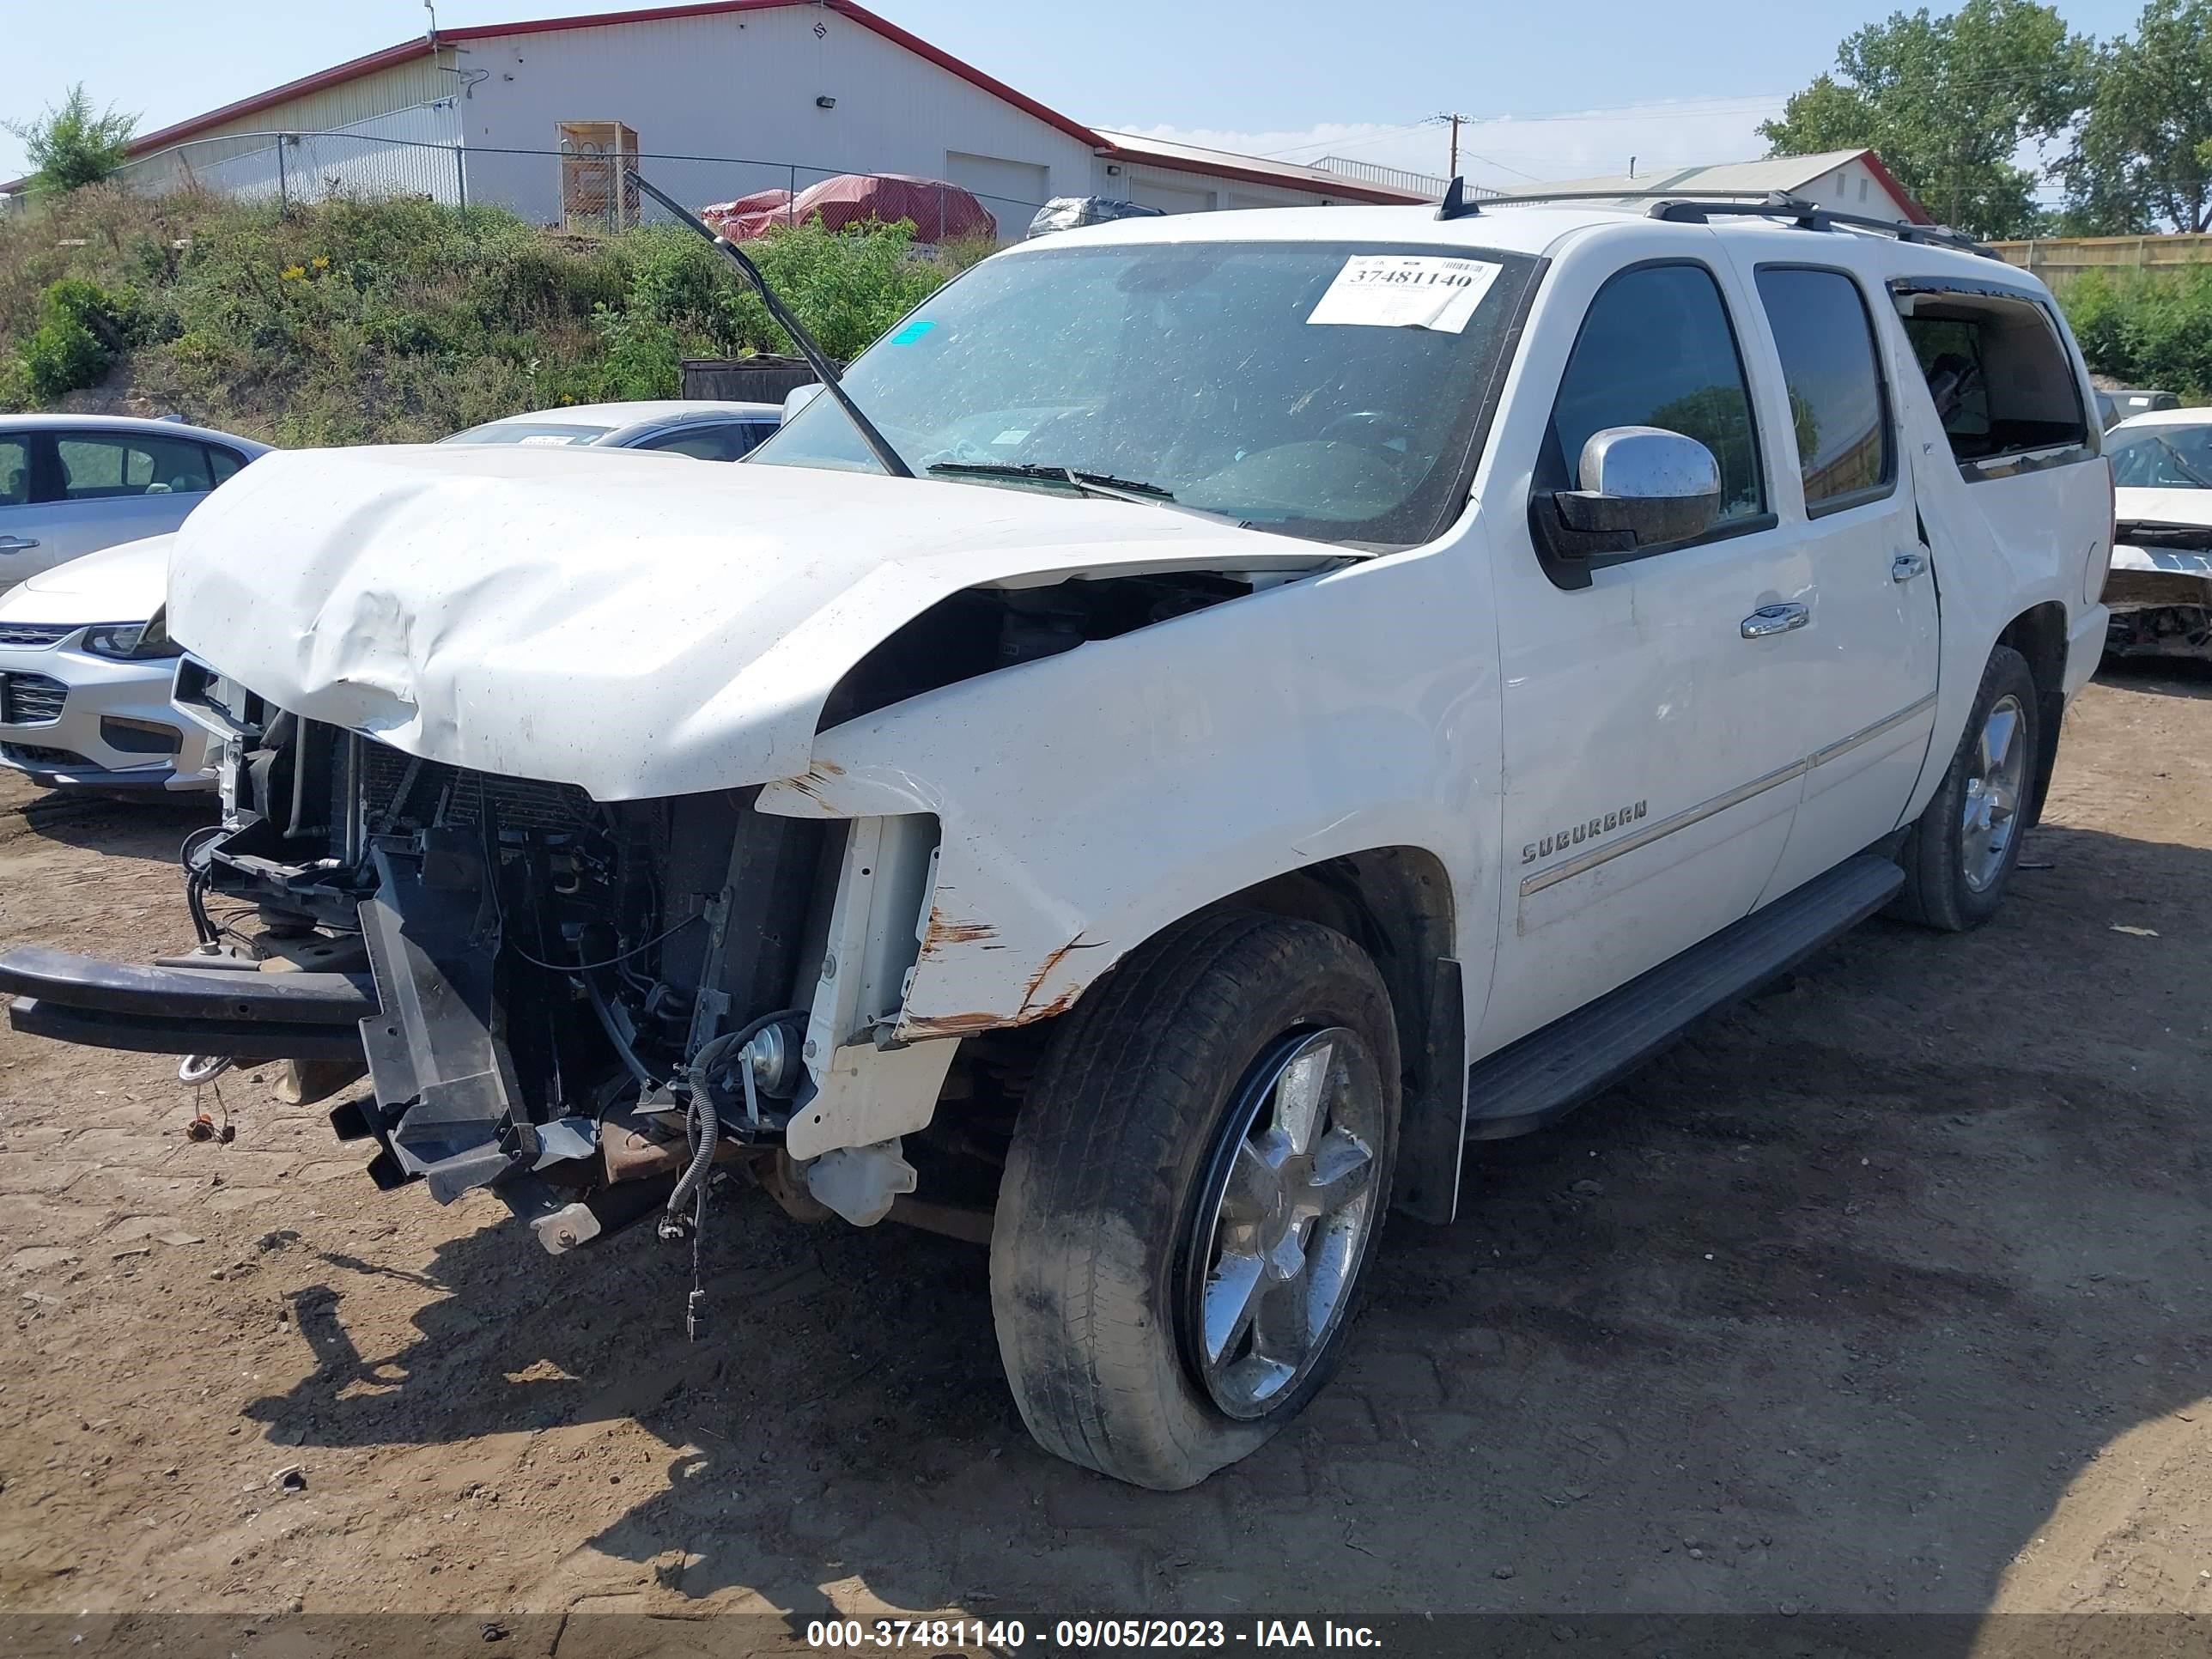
<point x="1452" y="172"/>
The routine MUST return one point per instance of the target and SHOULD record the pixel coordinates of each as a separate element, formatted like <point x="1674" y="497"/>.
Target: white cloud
<point x="1509" y="152"/>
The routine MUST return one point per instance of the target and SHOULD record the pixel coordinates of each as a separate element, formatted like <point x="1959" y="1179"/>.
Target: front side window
<point x="1657" y="349"/>
<point x="2162" y="457"/>
<point x="102" y="467"/>
<point x="1838" y="409"/>
<point x="1329" y="391"/>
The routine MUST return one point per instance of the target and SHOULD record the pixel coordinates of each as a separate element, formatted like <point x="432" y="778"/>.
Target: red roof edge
<point x="867" y="19"/>
<point x="352" y="69"/>
<point x="1351" y="189"/>
<point x="969" y="72"/>
<point x="1914" y="212"/>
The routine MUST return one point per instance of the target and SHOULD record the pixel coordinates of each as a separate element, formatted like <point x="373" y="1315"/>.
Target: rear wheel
<point x="1194" y="1192"/>
<point x="1961" y="855"/>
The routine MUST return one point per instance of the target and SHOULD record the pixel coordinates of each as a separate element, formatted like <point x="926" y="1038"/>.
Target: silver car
<point x="86" y="666"/>
<point x="72" y="484"/>
<point x="705" y="431"/>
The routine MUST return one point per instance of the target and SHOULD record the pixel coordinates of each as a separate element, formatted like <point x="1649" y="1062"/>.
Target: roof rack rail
<point x="1810" y="215"/>
<point x="1695" y="207"/>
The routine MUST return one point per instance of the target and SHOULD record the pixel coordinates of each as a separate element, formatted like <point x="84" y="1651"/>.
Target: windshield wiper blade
<point x="1087" y="483"/>
<point x="1095" y="483"/>
<point x="825" y="371"/>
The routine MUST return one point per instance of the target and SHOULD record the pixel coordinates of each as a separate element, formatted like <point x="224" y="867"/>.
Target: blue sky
<point x="1562" y="88"/>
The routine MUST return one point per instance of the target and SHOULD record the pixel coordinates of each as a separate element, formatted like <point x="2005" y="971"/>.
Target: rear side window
<point x="15" y="472"/>
<point x="2000" y="377"/>
<point x="1839" y="409"/>
<point x="100" y="468"/>
<point x="723" y="442"/>
<point x="1657" y="349"/>
<point x="223" y="462"/>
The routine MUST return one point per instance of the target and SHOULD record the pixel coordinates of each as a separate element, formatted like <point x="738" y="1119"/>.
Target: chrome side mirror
<point x="1644" y="483"/>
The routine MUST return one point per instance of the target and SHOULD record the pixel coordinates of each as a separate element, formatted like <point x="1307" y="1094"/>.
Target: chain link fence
<point x="579" y="190"/>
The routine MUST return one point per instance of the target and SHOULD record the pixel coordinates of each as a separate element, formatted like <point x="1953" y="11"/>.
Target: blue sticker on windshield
<point x="913" y="331"/>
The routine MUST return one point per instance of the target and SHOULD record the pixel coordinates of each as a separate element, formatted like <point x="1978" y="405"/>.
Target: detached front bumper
<point x="221" y="1005"/>
<point x="72" y="719"/>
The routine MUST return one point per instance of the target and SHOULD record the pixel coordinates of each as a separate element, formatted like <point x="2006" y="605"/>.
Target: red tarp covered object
<point x="937" y="212"/>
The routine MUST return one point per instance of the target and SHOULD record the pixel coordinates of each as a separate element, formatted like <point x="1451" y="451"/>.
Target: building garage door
<point x="1014" y="190"/>
<point x="1170" y="198"/>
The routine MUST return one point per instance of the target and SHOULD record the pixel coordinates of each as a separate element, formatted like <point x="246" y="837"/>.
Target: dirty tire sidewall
<point x="1103" y="1180"/>
<point x="1936" y="891"/>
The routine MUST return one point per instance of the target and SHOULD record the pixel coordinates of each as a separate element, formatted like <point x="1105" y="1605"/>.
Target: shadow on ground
<point x="1825" y="1309"/>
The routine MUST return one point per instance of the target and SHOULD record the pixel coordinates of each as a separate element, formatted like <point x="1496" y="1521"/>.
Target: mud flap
<point x="445" y="1085"/>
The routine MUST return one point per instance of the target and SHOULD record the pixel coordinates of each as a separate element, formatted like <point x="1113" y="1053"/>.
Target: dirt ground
<point x="1886" y="1292"/>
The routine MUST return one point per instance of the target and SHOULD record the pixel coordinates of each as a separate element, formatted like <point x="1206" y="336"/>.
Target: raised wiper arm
<point x="891" y="461"/>
<point x="2182" y="461"/>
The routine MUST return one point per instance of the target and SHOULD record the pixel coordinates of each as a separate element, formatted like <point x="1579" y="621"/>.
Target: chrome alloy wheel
<point x="1283" y="1219"/>
<point x="1995" y="787"/>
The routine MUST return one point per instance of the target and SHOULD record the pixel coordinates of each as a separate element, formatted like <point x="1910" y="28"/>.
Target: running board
<point x="1547" y="1073"/>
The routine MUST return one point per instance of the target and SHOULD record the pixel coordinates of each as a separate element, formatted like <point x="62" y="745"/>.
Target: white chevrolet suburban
<point x="1257" y="701"/>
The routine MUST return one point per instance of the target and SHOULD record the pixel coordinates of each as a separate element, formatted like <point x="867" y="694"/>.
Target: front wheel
<point x="1960" y="854"/>
<point x="1194" y="1192"/>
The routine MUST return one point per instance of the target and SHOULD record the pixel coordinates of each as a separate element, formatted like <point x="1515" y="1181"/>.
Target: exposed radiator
<point x="401" y="793"/>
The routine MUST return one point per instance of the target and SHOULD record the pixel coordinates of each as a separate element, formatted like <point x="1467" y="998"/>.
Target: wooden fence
<point x="2059" y="260"/>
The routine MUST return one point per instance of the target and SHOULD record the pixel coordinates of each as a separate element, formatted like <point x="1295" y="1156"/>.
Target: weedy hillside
<point x="402" y="320"/>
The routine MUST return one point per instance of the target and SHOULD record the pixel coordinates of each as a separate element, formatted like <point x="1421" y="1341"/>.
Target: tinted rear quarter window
<point x="1839" y="407"/>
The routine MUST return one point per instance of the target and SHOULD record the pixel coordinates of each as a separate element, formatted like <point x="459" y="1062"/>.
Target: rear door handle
<point x="1905" y="566"/>
<point x="1772" y="619"/>
<point x="17" y="543"/>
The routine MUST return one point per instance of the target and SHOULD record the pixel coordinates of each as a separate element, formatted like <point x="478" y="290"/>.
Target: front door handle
<point x="1905" y="566"/>
<point x="17" y="543"/>
<point x="1772" y="619"/>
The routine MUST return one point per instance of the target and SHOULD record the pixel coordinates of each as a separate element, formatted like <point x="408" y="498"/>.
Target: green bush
<point x="2146" y="328"/>
<point x="365" y="321"/>
<point x="79" y="329"/>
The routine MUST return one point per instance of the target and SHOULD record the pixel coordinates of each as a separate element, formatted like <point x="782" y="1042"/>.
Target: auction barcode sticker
<point x="1405" y="290"/>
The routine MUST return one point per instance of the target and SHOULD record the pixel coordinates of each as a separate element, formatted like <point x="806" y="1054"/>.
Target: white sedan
<point x="71" y="484"/>
<point x="85" y="671"/>
<point x="2160" y="589"/>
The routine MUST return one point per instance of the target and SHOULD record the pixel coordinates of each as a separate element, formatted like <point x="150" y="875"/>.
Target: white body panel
<point x="643" y="630"/>
<point x="617" y="621"/>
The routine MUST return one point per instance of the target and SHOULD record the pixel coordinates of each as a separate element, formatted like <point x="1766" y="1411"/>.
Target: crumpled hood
<point x="123" y="583"/>
<point x="636" y="627"/>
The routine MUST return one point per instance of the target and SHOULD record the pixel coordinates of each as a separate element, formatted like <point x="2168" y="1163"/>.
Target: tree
<point x="1948" y="102"/>
<point x="2143" y="156"/>
<point x="70" y="146"/>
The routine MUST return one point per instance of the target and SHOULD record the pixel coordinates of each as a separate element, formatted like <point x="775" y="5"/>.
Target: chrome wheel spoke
<point x="1343" y="1170"/>
<point x="1255" y="1186"/>
<point x="1232" y="1293"/>
<point x="1282" y="1326"/>
<point x="1997" y="734"/>
<point x="1298" y="1095"/>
